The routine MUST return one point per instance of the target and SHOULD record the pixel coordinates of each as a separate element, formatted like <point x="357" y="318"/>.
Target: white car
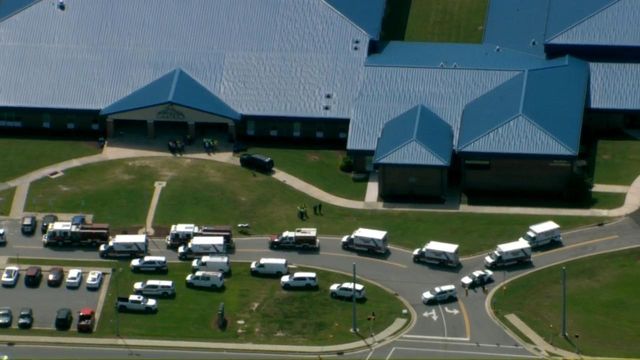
<point x="94" y="280"/>
<point x="306" y="280"/>
<point x="74" y="278"/>
<point x="345" y="291"/>
<point x="10" y="276"/>
<point x="477" y="278"/>
<point x="439" y="294"/>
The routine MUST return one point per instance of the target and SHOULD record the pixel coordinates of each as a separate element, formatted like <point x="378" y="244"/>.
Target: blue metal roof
<point x="261" y="57"/>
<point x="10" y="7"/>
<point x="453" y="55"/>
<point x="417" y="137"/>
<point x="517" y="24"/>
<point x="538" y="112"/>
<point x="583" y="21"/>
<point x="178" y="88"/>
<point x="614" y="86"/>
<point x="365" y="14"/>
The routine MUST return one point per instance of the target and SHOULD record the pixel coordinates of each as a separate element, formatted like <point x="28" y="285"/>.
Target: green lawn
<point x="318" y="167"/>
<point x="443" y="20"/>
<point x="617" y="162"/>
<point x="602" y="303"/>
<point x="206" y="192"/>
<point x="30" y="154"/>
<point x="6" y="198"/>
<point x="603" y="200"/>
<point x="270" y="314"/>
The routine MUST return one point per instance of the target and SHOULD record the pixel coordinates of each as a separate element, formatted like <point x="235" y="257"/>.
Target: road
<point x="453" y="330"/>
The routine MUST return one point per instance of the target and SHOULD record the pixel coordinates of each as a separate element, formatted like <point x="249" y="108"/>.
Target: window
<point x="251" y="127"/>
<point x="71" y="126"/>
<point x="273" y="131"/>
<point x="319" y="133"/>
<point x="477" y="164"/>
<point x="296" y="129"/>
<point x="46" y="124"/>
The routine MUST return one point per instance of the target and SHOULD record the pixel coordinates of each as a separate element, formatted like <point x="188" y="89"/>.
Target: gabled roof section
<point x="10" y="7"/>
<point x="365" y="14"/>
<point x="517" y="24"/>
<point x="593" y="22"/>
<point x="614" y="86"/>
<point x="417" y="137"/>
<point x="538" y="112"/>
<point x="176" y="87"/>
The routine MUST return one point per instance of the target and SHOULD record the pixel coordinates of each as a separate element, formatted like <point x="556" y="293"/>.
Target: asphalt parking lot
<point x="46" y="300"/>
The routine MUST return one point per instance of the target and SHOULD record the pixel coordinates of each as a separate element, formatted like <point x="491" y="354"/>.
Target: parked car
<point x="439" y="294"/>
<point x="46" y="220"/>
<point x="74" y="278"/>
<point x="149" y="263"/>
<point x="25" y="318"/>
<point x="86" y="320"/>
<point x="10" y="276"/>
<point x="94" y="279"/>
<point x="345" y="291"/>
<point x="32" y="276"/>
<point x="305" y="280"/>
<point x="28" y="225"/>
<point x="6" y="317"/>
<point x="64" y="318"/>
<point x="56" y="274"/>
<point x="477" y="278"/>
<point x="164" y="288"/>
<point x="3" y="237"/>
<point x="257" y="162"/>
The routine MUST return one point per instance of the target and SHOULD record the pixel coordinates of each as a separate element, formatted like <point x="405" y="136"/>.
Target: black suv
<point x="33" y="276"/>
<point x="63" y="319"/>
<point x="28" y="225"/>
<point x="257" y="162"/>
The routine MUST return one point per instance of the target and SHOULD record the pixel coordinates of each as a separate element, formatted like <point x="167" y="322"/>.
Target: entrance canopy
<point x="175" y="88"/>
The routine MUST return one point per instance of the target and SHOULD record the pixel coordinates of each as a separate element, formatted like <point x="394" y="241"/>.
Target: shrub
<point x="346" y="164"/>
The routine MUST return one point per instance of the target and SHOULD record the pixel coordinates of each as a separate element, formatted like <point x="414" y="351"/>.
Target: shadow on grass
<point x="394" y="24"/>
<point x="530" y="200"/>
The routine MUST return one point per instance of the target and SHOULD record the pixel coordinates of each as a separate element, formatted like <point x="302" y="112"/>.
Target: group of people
<point x="209" y="145"/>
<point x="302" y="211"/>
<point x="176" y="147"/>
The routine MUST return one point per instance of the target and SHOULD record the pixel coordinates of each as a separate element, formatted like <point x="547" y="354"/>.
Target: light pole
<point x="564" y="302"/>
<point x="577" y="337"/>
<point x="117" y="275"/>
<point x="354" y="326"/>
<point x="551" y="334"/>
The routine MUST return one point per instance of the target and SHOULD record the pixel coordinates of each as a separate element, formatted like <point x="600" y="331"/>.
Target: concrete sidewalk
<point x="538" y="341"/>
<point x="365" y="343"/>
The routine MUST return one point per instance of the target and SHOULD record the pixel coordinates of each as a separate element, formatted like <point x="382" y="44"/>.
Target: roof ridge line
<point x="542" y="129"/>
<point x="430" y="150"/>
<point x="490" y="130"/>
<point x="580" y="21"/>
<point x="348" y="19"/>
<point x="174" y="84"/>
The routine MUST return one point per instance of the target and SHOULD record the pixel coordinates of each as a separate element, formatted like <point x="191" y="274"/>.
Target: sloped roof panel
<point x="98" y="51"/>
<point x="412" y="153"/>
<point x="555" y="99"/>
<point x="491" y="110"/>
<point x="615" y="25"/>
<point x="512" y="138"/>
<point x="155" y="93"/>
<point x="461" y="56"/>
<point x="443" y="91"/>
<point x="565" y="14"/>
<point x="366" y="14"/>
<point x="397" y="132"/>
<point x="614" y="86"/>
<point x="517" y="24"/>
<point x="10" y="7"/>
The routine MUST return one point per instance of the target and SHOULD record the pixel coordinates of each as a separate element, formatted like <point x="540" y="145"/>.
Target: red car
<point x="86" y="320"/>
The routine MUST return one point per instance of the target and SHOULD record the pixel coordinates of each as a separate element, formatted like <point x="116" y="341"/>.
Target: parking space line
<point x="465" y="316"/>
<point x="460" y="352"/>
<point x="26" y="247"/>
<point x="366" y="258"/>
<point x="390" y="353"/>
<point x="612" y="237"/>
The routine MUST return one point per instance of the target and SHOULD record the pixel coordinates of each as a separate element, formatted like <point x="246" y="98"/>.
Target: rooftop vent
<point x="533" y="42"/>
<point x="455" y="65"/>
<point x="326" y="107"/>
<point x="328" y="96"/>
<point x="61" y="5"/>
<point x="498" y="48"/>
<point x="356" y="41"/>
<point x="356" y="48"/>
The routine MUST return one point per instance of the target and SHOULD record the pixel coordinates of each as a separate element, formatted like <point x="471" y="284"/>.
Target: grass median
<point x="206" y="192"/>
<point x="29" y="154"/>
<point x="258" y="309"/>
<point x="601" y="304"/>
<point x="6" y="199"/>
<point x="446" y="21"/>
<point x="617" y="162"/>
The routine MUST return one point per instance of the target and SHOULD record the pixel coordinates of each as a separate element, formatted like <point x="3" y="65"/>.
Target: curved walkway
<point x="631" y="204"/>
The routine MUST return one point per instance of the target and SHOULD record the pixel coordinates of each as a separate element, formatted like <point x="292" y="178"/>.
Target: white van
<point x="270" y="266"/>
<point x="208" y="279"/>
<point x="212" y="263"/>
<point x="164" y="288"/>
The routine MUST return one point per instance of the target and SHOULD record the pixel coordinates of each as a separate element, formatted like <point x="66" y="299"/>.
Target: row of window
<point x="297" y="130"/>
<point x="45" y="125"/>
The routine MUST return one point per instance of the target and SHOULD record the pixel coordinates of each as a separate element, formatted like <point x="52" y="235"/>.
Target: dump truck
<point x="301" y="238"/>
<point x="66" y="233"/>
<point x="367" y="240"/>
<point x="438" y="253"/>
<point x="509" y="254"/>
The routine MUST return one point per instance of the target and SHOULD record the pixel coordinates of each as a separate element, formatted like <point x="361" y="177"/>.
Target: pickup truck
<point x="136" y="303"/>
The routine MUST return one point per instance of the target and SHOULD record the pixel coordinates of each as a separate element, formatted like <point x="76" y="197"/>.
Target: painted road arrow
<point x="431" y="314"/>
<point x="454" y="311"/>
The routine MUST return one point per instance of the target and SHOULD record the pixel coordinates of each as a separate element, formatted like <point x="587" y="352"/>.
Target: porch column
<point x="192" y="129"/>
<point x="232" y="131"/>
<point x="110" y="128"/>
<point x="151" y="129"/>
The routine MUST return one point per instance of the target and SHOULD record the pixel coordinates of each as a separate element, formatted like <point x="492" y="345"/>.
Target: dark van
<point x="257" y="162"/>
